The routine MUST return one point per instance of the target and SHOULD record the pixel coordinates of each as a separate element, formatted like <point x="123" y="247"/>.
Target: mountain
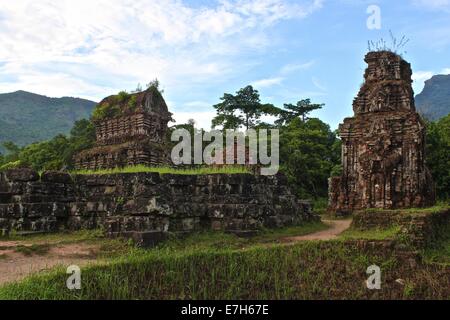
<point x="434" y="101"/>
<point x="27" y="117"/>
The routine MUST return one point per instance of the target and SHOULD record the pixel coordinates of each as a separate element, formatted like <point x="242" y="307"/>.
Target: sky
<point x="199" y="49"/>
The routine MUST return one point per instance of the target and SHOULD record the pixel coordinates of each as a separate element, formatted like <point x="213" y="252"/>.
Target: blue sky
<point x="288" y="49"/>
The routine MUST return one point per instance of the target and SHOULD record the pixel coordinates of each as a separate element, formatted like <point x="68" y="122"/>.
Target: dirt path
<point x="16" y="265"/>
<point x="336" y="228"/>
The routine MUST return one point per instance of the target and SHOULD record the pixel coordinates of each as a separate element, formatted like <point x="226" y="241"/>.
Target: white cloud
<point x="202" y="119"/>
<point x="316" y="82"/>
<point x="269" y="82"/>
<point x="445" y="71"/>
<point x="419" y="78"/>
<point x="89" y="47"/>
<point x="433" y="4"/>
<point x="291" y="68"/>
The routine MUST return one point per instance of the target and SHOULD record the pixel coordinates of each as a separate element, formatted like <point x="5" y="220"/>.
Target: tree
<point x="11" y="147"/>
<point x="54" y="154"/>
<point x="242" y="109"/>
<point x="308" y="155"/>
<point x="300" y="110"/>
<point x="138" y="88"/>
<point x="12" y="153"/>
<point x="155" y="84"/>
<point x="438" y="159"/>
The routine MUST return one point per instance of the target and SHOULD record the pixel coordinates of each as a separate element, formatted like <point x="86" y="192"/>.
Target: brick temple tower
<point x="131" y="130"/>
<point x="383" y="145"/>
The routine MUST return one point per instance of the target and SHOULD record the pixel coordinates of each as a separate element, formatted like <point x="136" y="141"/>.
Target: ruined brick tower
<point x="131" y="130"/>
<point x="383" y="145"/>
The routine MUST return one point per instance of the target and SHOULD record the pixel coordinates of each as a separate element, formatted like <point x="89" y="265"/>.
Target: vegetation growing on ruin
<point x="374" y="234"/>
<point x="115" y="106"/>
<point x="122" y="103"/>
<point x="439" y="252"/>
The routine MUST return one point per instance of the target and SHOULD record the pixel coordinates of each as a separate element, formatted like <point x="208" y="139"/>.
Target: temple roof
<point x="123" y="104"/>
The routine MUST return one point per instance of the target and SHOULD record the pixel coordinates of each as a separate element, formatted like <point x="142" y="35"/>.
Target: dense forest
<point x="26" y="117"/>
<point x="309" y="150"/>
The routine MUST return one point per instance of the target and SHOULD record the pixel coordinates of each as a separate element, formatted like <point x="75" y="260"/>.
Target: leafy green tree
<point x="12" y="153"/>
<point x="244" y="109"/>
<point x="47" y="155"/>
<point x="54" y="154"/>
<point x="308" y="154"/>
<point x="438" y="155"/>
<point x="155" y="84"/>
<point x="300" y="110"/>
<point x="11" y="147"/>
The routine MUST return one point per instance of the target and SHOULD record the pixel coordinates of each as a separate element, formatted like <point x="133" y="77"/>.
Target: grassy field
<point x="222" y="266"/>
<point x="169" y="170"/>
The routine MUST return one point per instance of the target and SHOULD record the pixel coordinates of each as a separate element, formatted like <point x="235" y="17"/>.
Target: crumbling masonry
<point x="383" y="145"/>
<point x="137" y="136"/>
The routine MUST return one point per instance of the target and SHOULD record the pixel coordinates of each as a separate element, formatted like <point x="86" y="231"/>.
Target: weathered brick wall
<point x="32" y="203"/>
<point x="419" y="228"/>
<point x="143" y="202"/>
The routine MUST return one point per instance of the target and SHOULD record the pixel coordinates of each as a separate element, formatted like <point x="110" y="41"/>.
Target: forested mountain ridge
<point x="434" y="101"/>
<point x="26" y="117"/>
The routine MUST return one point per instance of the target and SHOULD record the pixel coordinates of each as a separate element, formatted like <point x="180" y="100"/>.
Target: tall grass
<point x="220" y="266"/>
<point x="169" y="170"/>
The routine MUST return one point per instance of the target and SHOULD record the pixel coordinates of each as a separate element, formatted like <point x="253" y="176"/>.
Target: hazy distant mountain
<point x="27" y="117"/>
<point x="434" y="101"/>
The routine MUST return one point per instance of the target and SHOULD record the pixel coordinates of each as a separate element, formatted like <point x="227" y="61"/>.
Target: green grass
<point x="440" y="206"/>
<point x="40" y="244"/>
<point x="34" y="249"/>
<point x="309" y="270"/>
<point x="58" y="238"/>
<point x="169" y="170"/>
<point x="372" y="234"/>
<point x="220" y="241"/>
<point x="440" y="251"/>
<point x="320" y="206"/>
<point x="223" y="266"/>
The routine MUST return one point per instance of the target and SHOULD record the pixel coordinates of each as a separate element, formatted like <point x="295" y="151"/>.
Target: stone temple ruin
<point x="131" y="129"/>
<point x="131" y="132"/>
<point x="383" y="145"/>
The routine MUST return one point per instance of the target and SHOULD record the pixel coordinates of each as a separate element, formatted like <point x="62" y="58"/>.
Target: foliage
<point x="299" y="110"/>
<point x="155" y="84"/>
<point x="372" y="234"/>
<point x="309" y="150"/>
<point x="244" y="109"/>
<point x="54" y="154"/>
<point x="27" y="118"/>
<point x="308" y="153"/>
<point x="438" y="155"/>
<point x="115" y="106"/>
<point x="382" y="45"/>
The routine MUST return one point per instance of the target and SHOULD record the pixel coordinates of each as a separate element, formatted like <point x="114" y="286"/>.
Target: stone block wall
<point x="419" y="228"/>
<point x="29" y="202"/>
<point x="147" y="202"/>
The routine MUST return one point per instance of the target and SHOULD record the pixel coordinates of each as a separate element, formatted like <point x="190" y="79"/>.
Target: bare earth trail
<point x="336" y="228"/>
<point x="15" y="265"/>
